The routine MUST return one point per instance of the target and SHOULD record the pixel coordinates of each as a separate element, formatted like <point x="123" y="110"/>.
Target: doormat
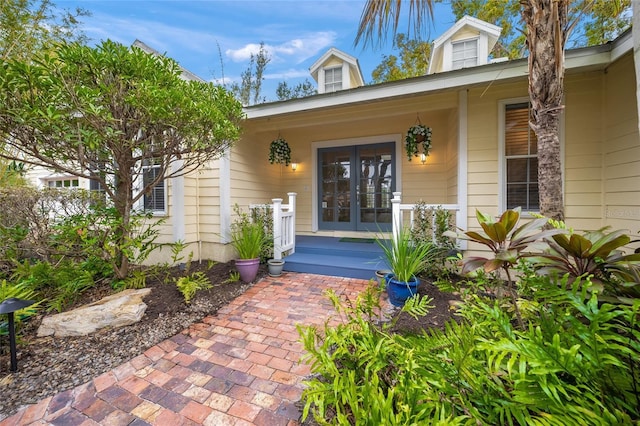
<point x="357" y="240"/>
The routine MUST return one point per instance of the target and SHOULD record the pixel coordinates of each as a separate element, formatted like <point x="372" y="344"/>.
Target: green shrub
<point x="577" y="362"/>
<point x="430" y="225"/>
<point x="264" y="214"/>
<point x="190" y="284"/>
<point x="19" y="291"/>
<point x="58" y="285"/>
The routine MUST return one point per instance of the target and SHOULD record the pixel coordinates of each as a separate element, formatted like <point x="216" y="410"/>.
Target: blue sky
<point x="214" y="38"/>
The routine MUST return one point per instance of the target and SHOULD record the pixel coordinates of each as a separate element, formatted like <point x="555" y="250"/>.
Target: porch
<point x="349" y="257"/>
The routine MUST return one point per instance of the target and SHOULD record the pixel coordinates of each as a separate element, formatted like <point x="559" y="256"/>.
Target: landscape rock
<point x="117" y="310"/>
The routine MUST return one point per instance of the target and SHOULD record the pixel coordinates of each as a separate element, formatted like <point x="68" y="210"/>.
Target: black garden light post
<point x="9" y="306"/>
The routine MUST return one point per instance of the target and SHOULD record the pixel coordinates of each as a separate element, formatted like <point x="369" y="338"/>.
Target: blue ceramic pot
<point x="400" y="291"/>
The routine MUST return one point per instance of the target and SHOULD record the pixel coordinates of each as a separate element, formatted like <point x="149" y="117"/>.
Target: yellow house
<point x="348" y="146"/>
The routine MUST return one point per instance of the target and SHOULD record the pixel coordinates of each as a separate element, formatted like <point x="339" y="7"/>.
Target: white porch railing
<point x="284" y="226"/>
<point x="398" y="209"/>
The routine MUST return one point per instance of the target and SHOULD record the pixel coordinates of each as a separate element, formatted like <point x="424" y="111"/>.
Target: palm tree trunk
<point x="546" y="22"/>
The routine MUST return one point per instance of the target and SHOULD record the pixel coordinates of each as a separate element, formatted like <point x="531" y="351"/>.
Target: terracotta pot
<point x="248" y="269"/>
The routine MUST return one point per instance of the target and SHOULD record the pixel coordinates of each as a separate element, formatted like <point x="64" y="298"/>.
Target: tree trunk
<point x="123" y="205"/>
<point x="546" y="22"/>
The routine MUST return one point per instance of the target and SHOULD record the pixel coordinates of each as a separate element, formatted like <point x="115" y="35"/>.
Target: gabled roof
<point x="354" y="65"/>
<point x="465" y="23"/>
<point x="186" y="74"/>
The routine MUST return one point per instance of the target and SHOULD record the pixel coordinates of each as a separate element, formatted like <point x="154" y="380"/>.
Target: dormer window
<point x="332" y="79"/>
<point x="464" y="53"/>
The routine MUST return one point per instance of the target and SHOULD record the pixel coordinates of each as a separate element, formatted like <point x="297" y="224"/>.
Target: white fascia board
<point x="599" y="56"/>
<point x="622" y="45"/>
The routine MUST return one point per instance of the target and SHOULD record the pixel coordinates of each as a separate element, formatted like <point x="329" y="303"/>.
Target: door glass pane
<point x="375" y="184"/>
<point x="336" y="190"/>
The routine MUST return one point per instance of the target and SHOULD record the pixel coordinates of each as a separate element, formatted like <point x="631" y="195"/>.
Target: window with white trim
<point x="63" y="183"/>
<point x="154" y="198"/>
<point x="332" y="79"/>
<point x="520" y="159"/>
<point x="464" y="53"/>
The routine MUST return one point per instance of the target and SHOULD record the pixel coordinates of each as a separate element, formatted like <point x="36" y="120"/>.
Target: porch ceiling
<point x="371" y="110"/>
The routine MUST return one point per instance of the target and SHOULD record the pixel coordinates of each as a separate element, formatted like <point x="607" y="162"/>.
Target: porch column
<point x="292" y="209"/>
<point x="461" y="214"/>
<point x="396" y="217"/>
<point x="277" y="228"/>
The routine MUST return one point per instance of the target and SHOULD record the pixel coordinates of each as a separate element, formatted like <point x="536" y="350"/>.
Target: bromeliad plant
<point x="507" y="242"/>
<point x="598" y="254"/>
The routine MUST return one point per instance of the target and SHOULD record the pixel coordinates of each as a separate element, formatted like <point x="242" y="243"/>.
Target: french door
<point x="355" y="187"/>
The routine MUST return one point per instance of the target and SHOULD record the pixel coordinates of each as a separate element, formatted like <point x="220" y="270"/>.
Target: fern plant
<point x="190" y="284"/>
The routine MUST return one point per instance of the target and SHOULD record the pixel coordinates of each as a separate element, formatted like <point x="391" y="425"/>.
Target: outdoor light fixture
<point x="9" y="306"/>
<point x="423" y="158"/>
<point x="294" y="166"/>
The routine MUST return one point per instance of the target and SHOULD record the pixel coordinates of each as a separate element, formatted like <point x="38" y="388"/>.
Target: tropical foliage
<point x="559" y="353"/>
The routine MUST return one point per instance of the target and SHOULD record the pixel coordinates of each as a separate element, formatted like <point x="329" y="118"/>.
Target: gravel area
<point x="47" y="366"/>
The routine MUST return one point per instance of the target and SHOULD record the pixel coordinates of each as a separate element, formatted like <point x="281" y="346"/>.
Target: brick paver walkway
<point x="238" y="367"/>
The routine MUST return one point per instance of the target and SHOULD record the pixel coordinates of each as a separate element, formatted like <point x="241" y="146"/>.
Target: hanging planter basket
<point x="279" y="152"/>
<point x="417" y="135"/>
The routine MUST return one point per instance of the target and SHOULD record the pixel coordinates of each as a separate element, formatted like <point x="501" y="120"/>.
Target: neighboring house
<point x="348" y="144"/>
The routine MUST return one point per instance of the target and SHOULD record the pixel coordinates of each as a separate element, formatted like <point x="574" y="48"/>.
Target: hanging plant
<point x="418" y="134"/>
<point x="279" y="152"/>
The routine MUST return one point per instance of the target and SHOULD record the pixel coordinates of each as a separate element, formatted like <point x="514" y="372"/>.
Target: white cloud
<point x="288" y="74"/>
<point x="295" y="50"/>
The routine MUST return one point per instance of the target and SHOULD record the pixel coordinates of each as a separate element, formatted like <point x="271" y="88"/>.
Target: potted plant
<point x="279" y="152"/>
<point x="406" y="258"/>
<point x="275" y="267"/>
<point x="248" y="238"/>
<point x="418" y="134"/>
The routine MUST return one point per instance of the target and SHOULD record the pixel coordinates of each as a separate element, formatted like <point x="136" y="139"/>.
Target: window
<point x="99" y="195"/>
<point x="521" y="158"/>
<point x="154" y="198"/>
<point x="63" y="183"/>
<point x="332" y="79"/>
<point x="465" y="54"/>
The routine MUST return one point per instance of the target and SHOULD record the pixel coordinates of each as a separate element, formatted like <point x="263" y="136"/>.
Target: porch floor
<point x="339" y="257"/>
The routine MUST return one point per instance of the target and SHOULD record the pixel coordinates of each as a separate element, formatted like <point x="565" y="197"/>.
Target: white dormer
<point x="336" y="70"/>
<point x="466" y="44"/>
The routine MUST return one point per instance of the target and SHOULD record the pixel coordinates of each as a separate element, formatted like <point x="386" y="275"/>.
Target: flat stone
<point x="117" y="310"/>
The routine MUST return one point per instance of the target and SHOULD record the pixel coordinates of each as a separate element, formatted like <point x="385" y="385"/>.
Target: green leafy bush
<point x="190" y="284"/>
<point x="356" y="364"/>
<point x="431" y="225"/>
<point x="576" y="363"/>
<point x="58" y="286"/>
<point x="19" y="291"/>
